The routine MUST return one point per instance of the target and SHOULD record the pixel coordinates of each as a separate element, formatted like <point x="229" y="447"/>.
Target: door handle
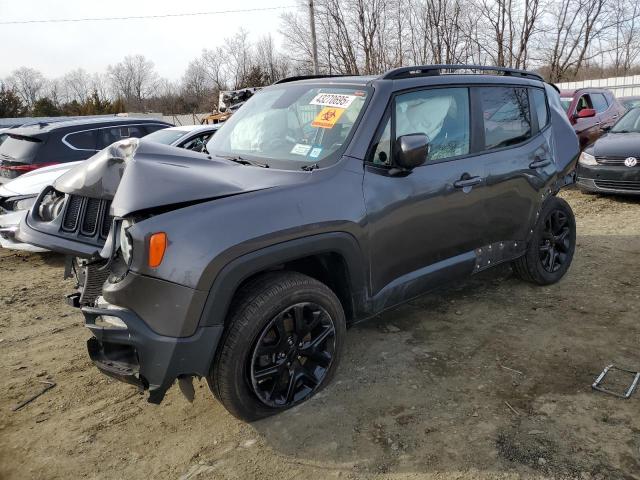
<point x="467" y="182"/>
<point x="540" y="162"/>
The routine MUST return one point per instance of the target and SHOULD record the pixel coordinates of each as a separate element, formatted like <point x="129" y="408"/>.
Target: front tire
<point x="552" y="245"/>
<point x="281" y="345"/>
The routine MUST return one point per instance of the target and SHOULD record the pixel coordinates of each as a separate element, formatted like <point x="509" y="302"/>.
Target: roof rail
<point x="305" y="77"/>
<point x="429" y="70"/>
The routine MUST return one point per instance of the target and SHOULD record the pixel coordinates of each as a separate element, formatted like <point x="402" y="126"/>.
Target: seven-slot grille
<point x="87" y="216"/>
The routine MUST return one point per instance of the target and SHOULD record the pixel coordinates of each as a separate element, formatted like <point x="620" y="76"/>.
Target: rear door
<point x="604" y="114"/>
<point x="518" y="157"/>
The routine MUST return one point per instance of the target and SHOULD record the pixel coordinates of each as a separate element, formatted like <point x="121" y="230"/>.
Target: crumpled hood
<point x="139" y="175"/>
<point x="618" y="145"/>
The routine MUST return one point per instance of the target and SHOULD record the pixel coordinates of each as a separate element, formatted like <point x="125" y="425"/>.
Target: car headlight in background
<point x="587" y="159"/>
<point x="126" y="246"/>
<point x="15" y="204"/>
<point x="51" y="206"/>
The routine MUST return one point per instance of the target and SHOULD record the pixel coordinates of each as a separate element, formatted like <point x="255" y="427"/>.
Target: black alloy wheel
<point x="555" y="241"/>
<point x="552" y="244"/>
<point x="292" y="355"/>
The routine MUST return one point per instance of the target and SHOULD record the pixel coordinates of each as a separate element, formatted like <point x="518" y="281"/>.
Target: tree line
<point x="561" y="39"/>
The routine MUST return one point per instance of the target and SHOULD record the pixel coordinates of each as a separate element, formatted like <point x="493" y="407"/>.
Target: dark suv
<point x="324" y="201"/>
<point x="47" y="143"/>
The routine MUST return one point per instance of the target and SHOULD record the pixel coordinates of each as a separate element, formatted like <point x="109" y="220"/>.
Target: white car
<point x="20" y="194"/>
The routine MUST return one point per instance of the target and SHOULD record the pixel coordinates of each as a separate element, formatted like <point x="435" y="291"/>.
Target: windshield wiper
<point x="620" y="131"/>
<point x="310" y="168"/>
<point x="244" y="161"/>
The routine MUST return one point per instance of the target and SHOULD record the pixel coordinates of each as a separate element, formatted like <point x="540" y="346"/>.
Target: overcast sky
<point x="171" y="43"/>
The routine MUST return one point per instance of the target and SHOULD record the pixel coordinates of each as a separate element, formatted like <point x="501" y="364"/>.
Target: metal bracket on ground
<point x="597" y="385"/>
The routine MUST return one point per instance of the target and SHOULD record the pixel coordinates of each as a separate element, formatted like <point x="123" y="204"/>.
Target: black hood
<point x="617" y="145"/>
<point x="139" y="175"/>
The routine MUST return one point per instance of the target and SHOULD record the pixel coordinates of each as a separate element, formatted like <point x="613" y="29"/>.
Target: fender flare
<point x="231" y="276"/>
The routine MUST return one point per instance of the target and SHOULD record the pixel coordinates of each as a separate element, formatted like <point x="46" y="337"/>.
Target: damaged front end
<point x="143" y="328"/>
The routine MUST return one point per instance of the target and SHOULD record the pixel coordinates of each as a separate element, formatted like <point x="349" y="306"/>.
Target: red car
<point x="591" y="111"/>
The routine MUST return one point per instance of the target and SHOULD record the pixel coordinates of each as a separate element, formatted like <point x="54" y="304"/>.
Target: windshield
<point x="566" y="103"/>
<point x="16" y="148"/>
<point x="166" y="137"/>
<point x="630" y="122"/>
<point x="291" y="126"/>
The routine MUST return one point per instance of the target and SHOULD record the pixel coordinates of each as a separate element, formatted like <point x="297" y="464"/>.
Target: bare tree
<point x="28" y="83"/>
<point x="237" y="58"/>
<point x="274" y="65"/>
<point x="625" y="39"/>
<point x="577" y="24"/>
<point x="134" y="79"/>
<point x="198" y="88"/>
<point x="76" y="85"/>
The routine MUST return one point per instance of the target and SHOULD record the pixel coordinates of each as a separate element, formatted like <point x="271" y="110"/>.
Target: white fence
<point x="620" y="86"/>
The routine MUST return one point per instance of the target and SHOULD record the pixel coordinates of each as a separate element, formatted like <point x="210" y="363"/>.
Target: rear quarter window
<point x="82" y="140"/>
<point x="539" y="100"/>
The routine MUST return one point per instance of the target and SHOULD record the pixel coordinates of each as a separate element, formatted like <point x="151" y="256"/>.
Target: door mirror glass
<point x="411" y="150"/>
<point x="586" y="113"/>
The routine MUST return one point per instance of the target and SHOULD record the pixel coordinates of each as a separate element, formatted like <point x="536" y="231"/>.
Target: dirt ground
<point x="490" y="379"/>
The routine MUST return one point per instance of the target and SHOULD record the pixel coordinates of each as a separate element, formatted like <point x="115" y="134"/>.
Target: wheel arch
<point x="333" y="258"/>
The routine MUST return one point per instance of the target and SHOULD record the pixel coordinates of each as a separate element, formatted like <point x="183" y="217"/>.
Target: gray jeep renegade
<point x="322" y="202"/>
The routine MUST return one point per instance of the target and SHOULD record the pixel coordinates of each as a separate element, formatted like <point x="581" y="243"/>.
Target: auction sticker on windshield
<point x="333" y="100"/>
<point x="300" y="149"/>
<point x="327" y="117"/>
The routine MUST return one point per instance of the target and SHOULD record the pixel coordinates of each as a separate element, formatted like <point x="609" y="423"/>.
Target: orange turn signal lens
<point x="157" y="246"/>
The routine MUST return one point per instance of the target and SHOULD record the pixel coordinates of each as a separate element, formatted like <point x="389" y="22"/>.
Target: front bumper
<point x="609" y="179"/>
<point x="139" y="356"/>
<point x="9" y="225"/>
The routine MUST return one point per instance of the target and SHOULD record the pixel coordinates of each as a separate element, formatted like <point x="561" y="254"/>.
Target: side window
<point x="106" y="136"/>
<point x="82" y="140"/>
<point x="583" y="102"/>
<point x="599" y="102"/>
<point x="150" y="128"/>
<point x="198" y="143"/>
<point x="132" y="131"/>
<point x="540" y="105"/>
<point x="507" y="119"/>
<point x="440" y="113"/>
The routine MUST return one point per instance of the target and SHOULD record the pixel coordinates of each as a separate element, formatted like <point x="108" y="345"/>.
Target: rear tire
<point x="552" y="245"/>
<point x="281" y="345"/>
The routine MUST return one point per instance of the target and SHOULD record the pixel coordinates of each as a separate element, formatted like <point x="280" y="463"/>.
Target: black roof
<point x="45" y="127"/>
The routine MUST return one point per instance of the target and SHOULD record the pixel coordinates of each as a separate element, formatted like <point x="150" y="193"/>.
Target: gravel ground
<point x="489" y="379"/>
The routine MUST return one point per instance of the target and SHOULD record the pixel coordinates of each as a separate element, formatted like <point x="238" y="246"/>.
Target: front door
<point x="428" y="220"/>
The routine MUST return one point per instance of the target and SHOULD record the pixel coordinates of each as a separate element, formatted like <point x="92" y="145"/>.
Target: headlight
<point x="587" y="159"/>
<point x="15" y="204"/>
<point x="51" y="206"/>
<point x="126" y="246"/>
<point x="24" y="203"/>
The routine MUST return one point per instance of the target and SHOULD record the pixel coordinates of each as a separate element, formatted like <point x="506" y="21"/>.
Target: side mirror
<point x="586" y="113"/>
<point x="411" y="150"/>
